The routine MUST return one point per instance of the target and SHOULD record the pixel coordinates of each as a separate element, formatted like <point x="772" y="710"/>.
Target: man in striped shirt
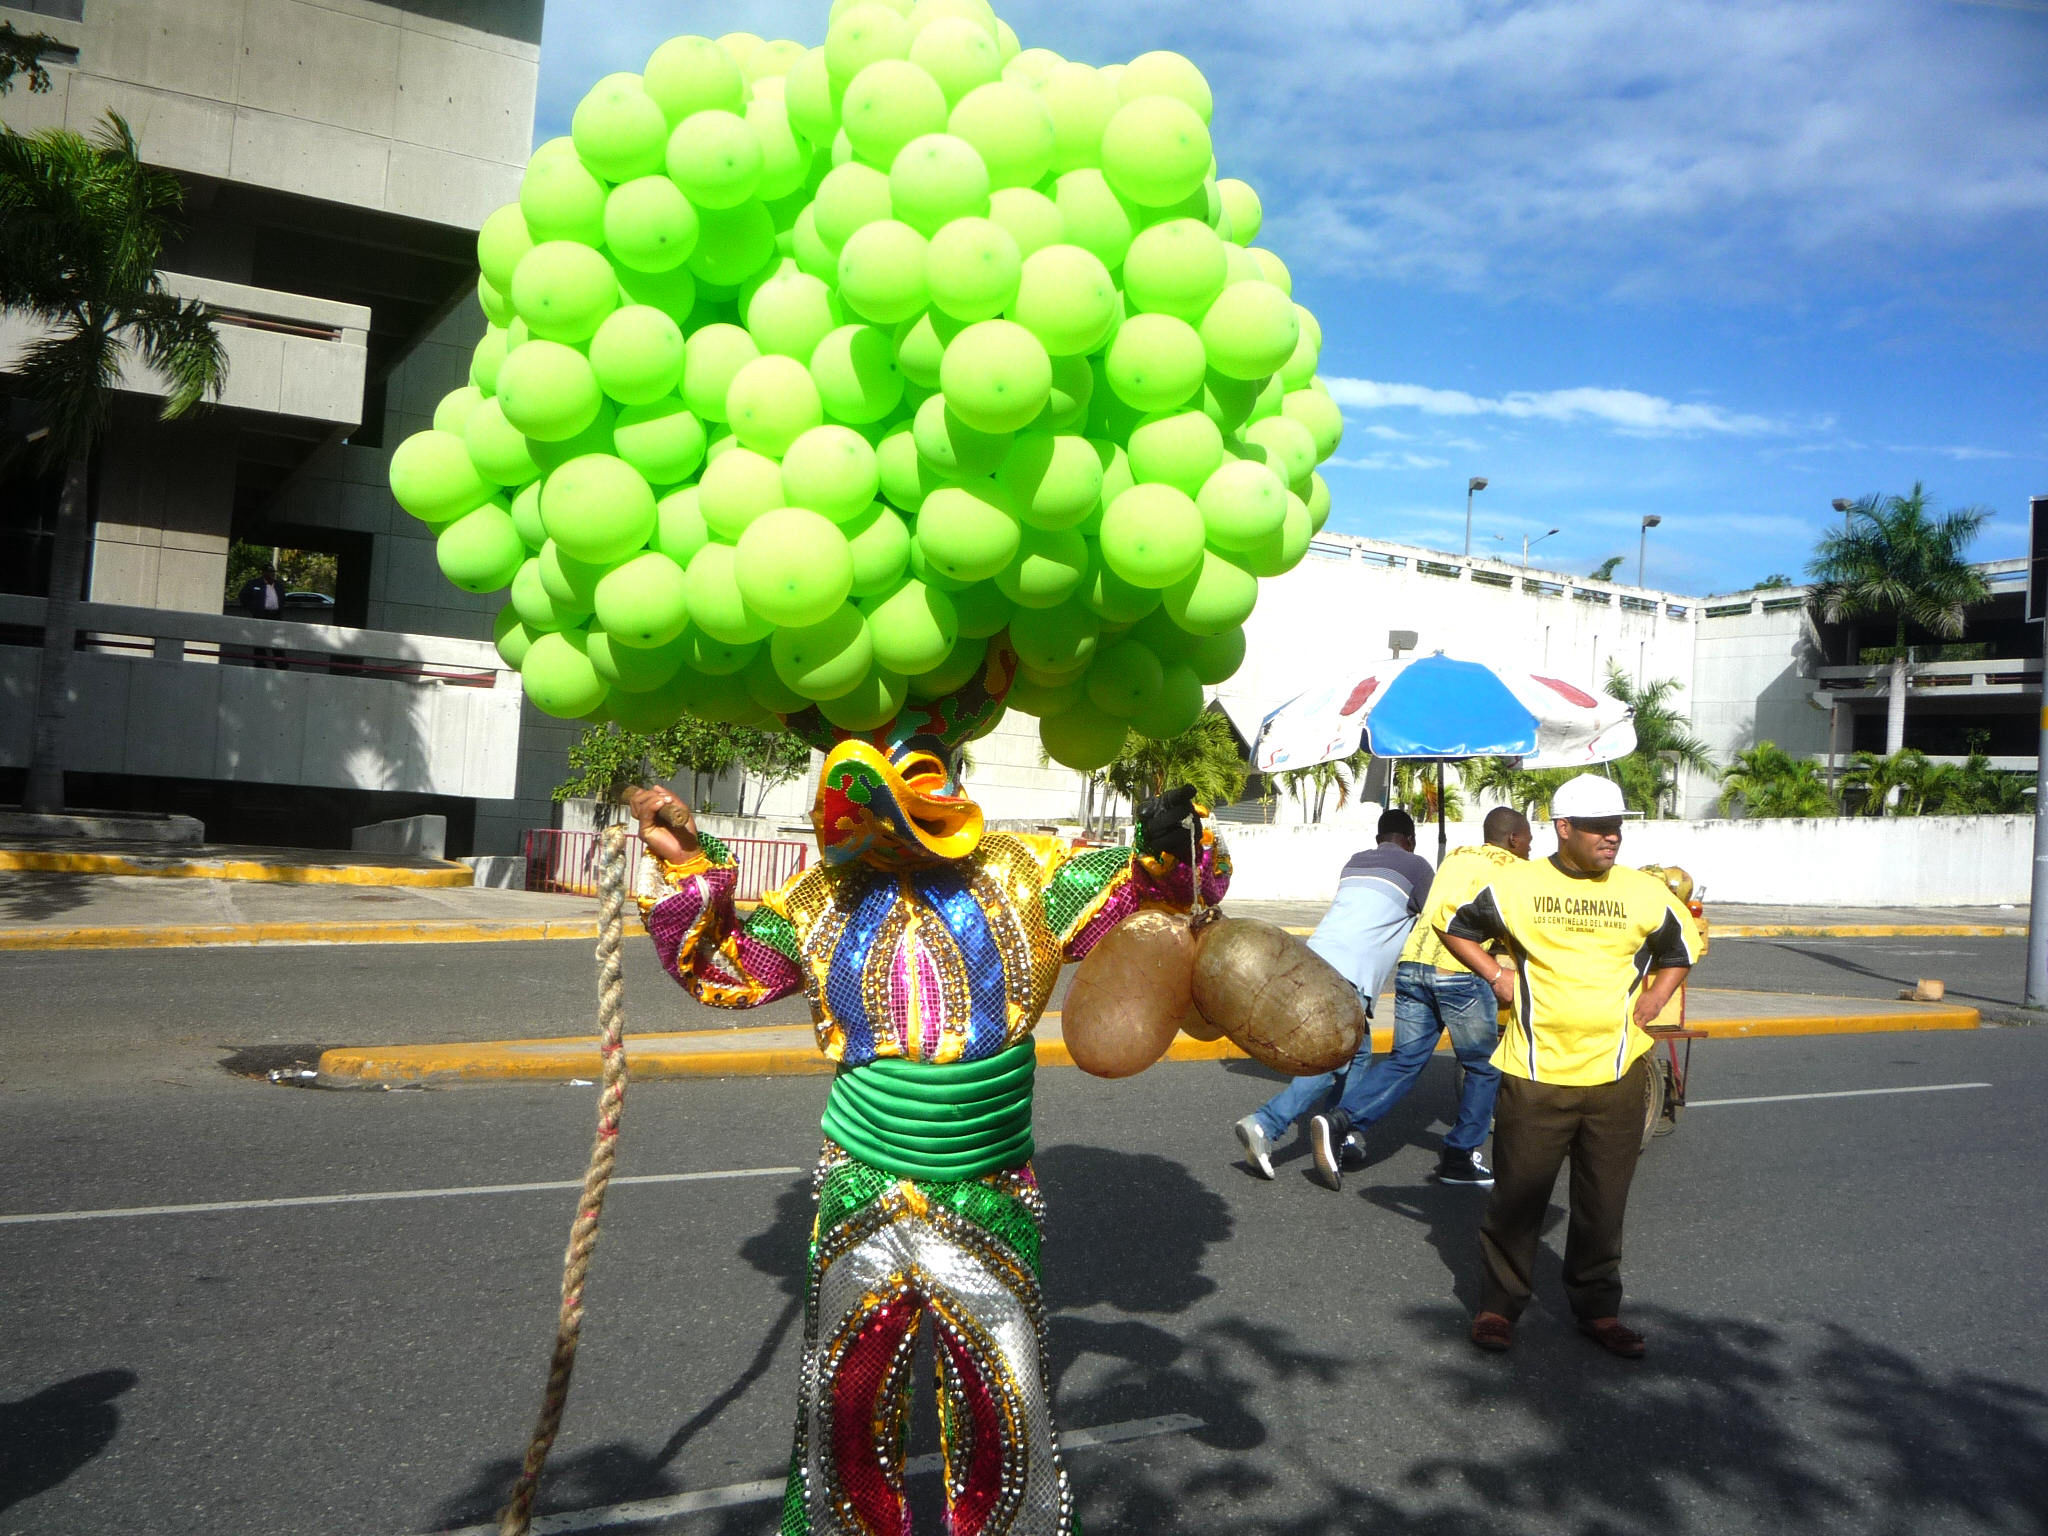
<point x="1592" y="953"/>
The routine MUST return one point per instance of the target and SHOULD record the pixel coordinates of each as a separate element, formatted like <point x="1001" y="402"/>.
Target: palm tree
<point x="1768" y="781"/>
<point x="1898" y="557"/>
<point x="1415" y="790"/>
<point x="1503" y="779"/>
<point x="1665" y="744"/>
<point x="1312" y="786"/>
<point x="82" y="223"/>
<point x="1205" y="755"/>
<point x="1974" y="788"/>
<point x="1896" y="784"/>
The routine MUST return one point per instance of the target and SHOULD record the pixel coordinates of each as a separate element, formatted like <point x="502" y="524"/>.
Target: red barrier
<point x="567" y="862"/>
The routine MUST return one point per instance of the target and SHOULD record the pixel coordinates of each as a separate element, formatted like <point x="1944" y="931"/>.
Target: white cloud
<point x="1389" y="461"/>
<point x="1961" y="454"/>
<point x="1626" y="410"/>
<point x="1386" y="434"/>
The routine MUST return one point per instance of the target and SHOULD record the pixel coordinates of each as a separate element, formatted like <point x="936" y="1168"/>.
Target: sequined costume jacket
<point x="943" y="962"/>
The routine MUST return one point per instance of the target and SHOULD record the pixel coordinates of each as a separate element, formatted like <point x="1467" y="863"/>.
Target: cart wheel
<point x="1673" y="1105"/>
<point x="1653" y="1101"/>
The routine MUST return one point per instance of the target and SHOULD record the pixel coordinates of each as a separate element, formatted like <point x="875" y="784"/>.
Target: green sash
<point x="932" y="1122"/>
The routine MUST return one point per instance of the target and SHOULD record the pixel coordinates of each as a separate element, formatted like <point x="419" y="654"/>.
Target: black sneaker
<point x="1327" y="1135"/>
<point x="1352" y="1154"/>
<point x="1463" y="1168"/>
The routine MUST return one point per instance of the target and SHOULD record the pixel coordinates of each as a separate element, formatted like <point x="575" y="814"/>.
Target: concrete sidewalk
<point x="789" y="1050"/>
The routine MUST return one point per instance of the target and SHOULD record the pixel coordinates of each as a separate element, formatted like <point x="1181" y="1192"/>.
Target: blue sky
<point x="1720" y="260"/>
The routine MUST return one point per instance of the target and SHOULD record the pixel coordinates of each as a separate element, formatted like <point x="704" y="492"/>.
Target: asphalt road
<point x="1838" y="1293"/>
<point x="1988" y="974"/>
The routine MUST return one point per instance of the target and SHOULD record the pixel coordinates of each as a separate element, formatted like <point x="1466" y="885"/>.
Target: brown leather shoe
<point x="1492" y="1333"/>
<point x="1614" y="1336"/>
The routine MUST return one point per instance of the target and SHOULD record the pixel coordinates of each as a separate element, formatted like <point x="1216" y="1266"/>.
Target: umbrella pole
<point x="1443" y="832"/>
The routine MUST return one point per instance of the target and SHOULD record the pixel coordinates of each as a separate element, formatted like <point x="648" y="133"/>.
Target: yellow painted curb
<point x="1842" y="931"/>
<point x="426" y="931"/>
<point x="727" y="1053"/>
<point x="52" y="862"/>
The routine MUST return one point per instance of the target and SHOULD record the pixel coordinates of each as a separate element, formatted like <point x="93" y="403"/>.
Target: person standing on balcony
<point x="263" y="598"/>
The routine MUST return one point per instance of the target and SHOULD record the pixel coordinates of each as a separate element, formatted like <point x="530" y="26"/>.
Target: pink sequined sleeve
<point x="1094" y="891"/>
<point x="718" y="959"/>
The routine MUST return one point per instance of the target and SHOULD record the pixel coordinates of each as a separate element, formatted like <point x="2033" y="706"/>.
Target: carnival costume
<point x="928" y="949"/>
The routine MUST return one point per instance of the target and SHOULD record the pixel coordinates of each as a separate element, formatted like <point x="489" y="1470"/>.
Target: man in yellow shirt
<point x="1594" y="953"/>
<point x="1434" y="992"/>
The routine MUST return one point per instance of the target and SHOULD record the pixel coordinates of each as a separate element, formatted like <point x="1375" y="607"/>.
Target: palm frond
<point x="176" y="337"/>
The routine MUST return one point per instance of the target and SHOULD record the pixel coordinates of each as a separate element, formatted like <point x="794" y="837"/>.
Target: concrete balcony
<point x="1995" y="677"/>
<point x="288" y="354"/>
<point x="194" y="696"/>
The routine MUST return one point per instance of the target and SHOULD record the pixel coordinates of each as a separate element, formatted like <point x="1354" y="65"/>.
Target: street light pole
<point x="1843" y="505"/>
<point x="1476" y="483"/>
<point x="1529" y="544"/>
<point x="1650" y="520"/>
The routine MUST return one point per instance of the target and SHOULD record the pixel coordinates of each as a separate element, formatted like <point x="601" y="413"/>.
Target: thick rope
<point x="515" y="1518"/>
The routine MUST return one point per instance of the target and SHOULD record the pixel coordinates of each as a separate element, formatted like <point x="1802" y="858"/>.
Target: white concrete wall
<point x="1913" y="861"/>
<point x="1753" y="681"/>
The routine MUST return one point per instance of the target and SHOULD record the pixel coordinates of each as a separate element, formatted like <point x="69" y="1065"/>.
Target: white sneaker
<point x="1257" y="1150"/>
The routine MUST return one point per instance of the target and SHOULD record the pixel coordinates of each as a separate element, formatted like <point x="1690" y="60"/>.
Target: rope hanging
<point x="517" y="1515"/>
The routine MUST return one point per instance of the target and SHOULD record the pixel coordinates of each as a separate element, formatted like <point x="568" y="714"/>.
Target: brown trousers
<point x="1536" y="1126"/>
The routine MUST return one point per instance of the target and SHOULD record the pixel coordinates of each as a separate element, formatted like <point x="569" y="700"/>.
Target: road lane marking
<point x="371" y="1196"/>
<point x="1843" y="1093"/>
<point x="645" y="1511"/>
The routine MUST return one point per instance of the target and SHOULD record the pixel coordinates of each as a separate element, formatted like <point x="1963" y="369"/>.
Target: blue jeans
<point x="1426" y="1003"/>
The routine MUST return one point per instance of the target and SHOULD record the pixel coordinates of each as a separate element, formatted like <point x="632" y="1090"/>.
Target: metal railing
<point x="566" y="863"/>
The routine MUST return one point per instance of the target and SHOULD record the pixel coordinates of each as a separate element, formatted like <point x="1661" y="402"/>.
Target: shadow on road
<point x="1906" y="979"/>
<point x="47" y="1437"/>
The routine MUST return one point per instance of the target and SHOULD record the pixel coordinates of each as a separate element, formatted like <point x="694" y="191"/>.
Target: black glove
<point x="1168" y="823"/>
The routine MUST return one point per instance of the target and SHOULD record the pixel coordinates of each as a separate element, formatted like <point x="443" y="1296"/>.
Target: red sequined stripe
<point x="857" y="1388"/>
<point x="982" y="1486"/>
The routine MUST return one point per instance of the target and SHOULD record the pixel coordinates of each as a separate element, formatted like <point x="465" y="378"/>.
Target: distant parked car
<point x="309" y="607"/>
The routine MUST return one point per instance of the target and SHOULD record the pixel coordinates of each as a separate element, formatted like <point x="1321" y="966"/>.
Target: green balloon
<point x="1010" y="129"/>
<point x="921" y="343"/>
<point x="1290" y="447"/>
<point x="861" y="35"/>
<point x="1152" y="535"/>
<point x="973" y="268"/>
<point x="1054" y="480"/>
<point x="889" y="103"/>
<point x="739" y="486"/>
<point x="679" y="526"/>
<point x="1282" y="550"/>
<point x="1175" y="707"/>
<point x="793" y="566"/>
<point x="961" y="665"/>
<point x="597" y="508"/>
<point x="512" y="636"/>
<point x="831" y="470"/>
<point x="649" y="225"/>
<point x="1155" y="363"/>
<point x="693" y="74"/>
<point x="716" y="658"/>
<point x="1273" y="270"/>
<point x="824" y="660"/>
<point x="1318" y="503"/>
<point x="807" y="91"/>
<point x="618" y="129"/>
<point x="1045" y="699"/>
<point x="1182" y="449"/>
<point x="487" y="358"/>
<point x="982" y="610"/>
<point x="548" y="390"/>
<point x="1166" y="74"/>
<point x="1055" y="640"/>
<point x="766" y="686"/>
<point x="872" y="702"/>
<point x="851" y="197"/>
<point x="996" y="376"/>
<point x="937" y="178"/>
<point x="594" y="438"/>
<point x="500" y="243"/>
<point x="952" y="448"/>
<point x="713" y="593"/>
<point x="496" y="447"/>
<point x="1096" y="219"/>
<point x="882" y="270"/>
<point x="481" y="551"/>
<point x="785" y="159"/>
<point x="855" y="370"/>
<point x="633" y="668"/>
<point x="662" y="439"/>
<point x="673" y="292"/>
<point x="1048" y="568"/>
<point x="1112" y="599"/>
<point x="1319" y="413"/>
<point x="1250" y="331"/>
<point x="1155" y="150"/>
<point x="721" y="698"/>
<point x="1080" y="101"/>
<point x="1218" y="596"/>
<point x="906" y="478"/>
<point x="1271" y="396"/>
<point x="526" y="517"/>
<point x="813" y="255"/>
<point x="637" y="355"/>
<point x="879" y="541"/>
<point x="1299" y="371"/>
<point x="968" y="531"/>
<point x="1216" y="659"/>
<point x="570" y="583"/>
<point x="1028" y="216"/>
<point x="495" y="303"/>
<point x="1243" y="504"/>
<point x="790" y="314"/>
<point x="1175" y="268"/>
<point x="537" y="610"/>
<point x="1026" y="673"/>
<point x="1116" y="475"/>
<point x="958" y="53"/>
<point x="1082" y="737"/>
<point x="560" y="200"/>
<point x="1164" y="638"/>
<point x="558" y="676"/>
<point x="563" y="290"/>
<point x="433" y="478"/>
<point x="922" y="568"/>
<point x="913" y="627"/>
<point x="1229" y="402"/>
<point x="732" y="244"/>
<point x="642" y="601"/>
<point x="1125" y="679"/>
<point x="715" y="158"/>
<point x="1241" y="204"/>
<point x="1066" y="298"/>
<point x="771" y="403"/>
<point x="1073" y="386"/>
<point x="712" y="359"/>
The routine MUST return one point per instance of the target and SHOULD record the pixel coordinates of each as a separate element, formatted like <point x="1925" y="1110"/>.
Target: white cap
<point x="1588" y="797"/>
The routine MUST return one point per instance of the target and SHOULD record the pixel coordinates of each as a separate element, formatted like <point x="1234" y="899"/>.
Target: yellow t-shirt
<point x="1584" y="944"/>
<point x="1465" y="872"/>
